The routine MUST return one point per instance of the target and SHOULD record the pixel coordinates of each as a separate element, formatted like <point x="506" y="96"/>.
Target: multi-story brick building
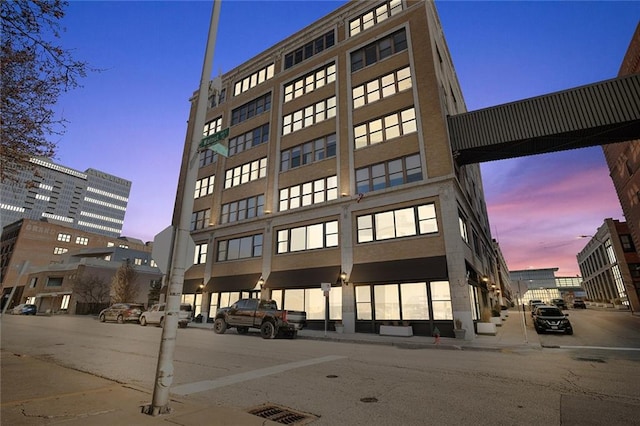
<point x="91" y="201"/>
<point x="339" y="166"/>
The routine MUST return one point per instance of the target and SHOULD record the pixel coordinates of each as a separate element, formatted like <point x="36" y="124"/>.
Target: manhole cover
<point x="369" y="399"/>
<point x="283" y="415"/>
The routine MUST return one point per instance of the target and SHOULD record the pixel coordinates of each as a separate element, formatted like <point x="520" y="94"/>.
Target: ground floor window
<point x="64" y="305"/>
<point x="310" y="300"/>
<point x="404" y="301"/>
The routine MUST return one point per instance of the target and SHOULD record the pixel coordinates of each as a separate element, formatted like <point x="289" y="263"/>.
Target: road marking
<point x="249" y="375"/>
<point x="607" y="348"/>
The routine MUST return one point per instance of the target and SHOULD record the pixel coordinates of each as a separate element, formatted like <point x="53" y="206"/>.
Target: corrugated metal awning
<point x="303" y="278"/>
<point x="402" y="270"/>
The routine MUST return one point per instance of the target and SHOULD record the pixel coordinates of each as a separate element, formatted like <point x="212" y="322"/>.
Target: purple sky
<point x="130" y="119"/>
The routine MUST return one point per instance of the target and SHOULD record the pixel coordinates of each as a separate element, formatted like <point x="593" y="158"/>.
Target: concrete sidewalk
<point x="36" y="392"/>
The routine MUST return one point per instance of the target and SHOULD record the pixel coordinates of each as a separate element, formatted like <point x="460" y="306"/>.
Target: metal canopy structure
<point x="596" y="114"/>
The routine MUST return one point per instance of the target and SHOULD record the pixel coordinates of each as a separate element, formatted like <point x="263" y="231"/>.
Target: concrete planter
<point x="497" y="321"/>
<point x="460" y="333"/>
<point x="487" y="328"/>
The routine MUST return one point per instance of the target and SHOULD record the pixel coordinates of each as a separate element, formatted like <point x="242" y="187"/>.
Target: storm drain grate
<point x="285" y="416"/>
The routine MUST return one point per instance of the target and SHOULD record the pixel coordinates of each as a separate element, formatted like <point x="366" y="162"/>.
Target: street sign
<point x="161" y="251"/>
<point x="325" y="286"/>
<point x="216" y="137"/>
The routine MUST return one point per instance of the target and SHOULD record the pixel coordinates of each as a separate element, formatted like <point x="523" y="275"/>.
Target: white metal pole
<point x="164" y="372"/>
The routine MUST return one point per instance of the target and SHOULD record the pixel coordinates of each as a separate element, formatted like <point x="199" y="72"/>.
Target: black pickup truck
<point x="260" y="314"/>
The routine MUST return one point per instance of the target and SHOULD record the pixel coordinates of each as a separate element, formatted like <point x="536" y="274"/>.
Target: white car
<point x="156" y="314"/>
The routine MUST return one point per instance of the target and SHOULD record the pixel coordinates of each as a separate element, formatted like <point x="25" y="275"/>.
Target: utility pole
<point x="164" y="372"/>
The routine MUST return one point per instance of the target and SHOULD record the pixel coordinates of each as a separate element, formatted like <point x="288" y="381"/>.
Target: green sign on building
<point x="213" y="142"/>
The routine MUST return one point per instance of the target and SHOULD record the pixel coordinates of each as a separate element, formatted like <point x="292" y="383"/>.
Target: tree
<point x="124" y="283"/>
<point x="35" y="71"/>
<point x="91" y="291"/>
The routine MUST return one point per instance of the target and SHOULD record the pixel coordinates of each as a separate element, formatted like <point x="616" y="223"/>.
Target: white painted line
<point x="606" y="348"/>
<point x="206" y="385"/>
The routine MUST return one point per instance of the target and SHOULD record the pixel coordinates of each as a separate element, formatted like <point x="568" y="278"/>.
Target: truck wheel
<point x="219" y="326"/>
<point x="268" y="330"/>
<point x="242" y="330"/>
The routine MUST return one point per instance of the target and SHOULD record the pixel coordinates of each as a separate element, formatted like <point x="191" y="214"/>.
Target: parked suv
<point x="156" y="314"/>
<point x="559" y="303"/>
<point x="551" y="318"/>
<point x="579" y="304"/>
<point x="122" y="312"/>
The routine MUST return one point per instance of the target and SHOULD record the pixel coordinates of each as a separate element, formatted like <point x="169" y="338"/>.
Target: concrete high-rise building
<point x="91" y="201"/>
<point x="340" y="173"/>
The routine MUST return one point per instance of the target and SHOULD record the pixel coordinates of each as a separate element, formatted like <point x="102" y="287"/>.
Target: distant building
<point x="610" y="266"/>
<point x="90" y="201"/>
<point x="339" y="161"/>
<point x="28" y="245"/>
<point x="543" y="284"/>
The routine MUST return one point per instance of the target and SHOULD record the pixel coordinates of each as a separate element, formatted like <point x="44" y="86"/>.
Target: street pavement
<point x="36" y="392"/>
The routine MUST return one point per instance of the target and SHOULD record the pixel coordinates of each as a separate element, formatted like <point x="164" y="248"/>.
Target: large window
<point x="378" y="50"/>
<point x="441" y="300"/>
<point x="206" y="157"/>
<point x="309" y="116"/>
<point x="200" y="219"/>
<point x="248" y="140"/>
<point x="309" y="193"/>
<point x="240" y="248"/>
<point x="314" y="47"/>
<point x="245" y="173"/>
<point x="242" y="209"/>
<point x="254" y="79"/>
<point x="385" y="128"/>
<point x="310" y="237"/>
<point x="374" y="16"/>
<point x="251" y="109"/>
<point x="308" y="153"/>
<point x="382" y="87"/>
<point x="211" y="127"/>
<point x="417" y="220"/>
<point x="392" y="173"/>
<point x="200" y="255"/>
<point x="310" y="300"/>
<point x="54" y="282"/>
<point x="310" y="82"/>
<point x="204" y="186"/>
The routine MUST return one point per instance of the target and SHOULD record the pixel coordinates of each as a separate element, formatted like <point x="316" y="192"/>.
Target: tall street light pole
<point x="164" y="372"/>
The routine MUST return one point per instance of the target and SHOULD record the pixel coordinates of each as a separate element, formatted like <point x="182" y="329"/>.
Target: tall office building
<point x="340" y="173"/>
<point x="91" y="201"/>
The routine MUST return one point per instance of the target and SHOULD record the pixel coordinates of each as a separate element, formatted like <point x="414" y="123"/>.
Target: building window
<point x="309" y="116"/>
<point x="240" y="248"/>
<point x="60" y="250"/>
<point x="441" y="300"/>
<point x="378" y="50"/>
<point x="308" y="50"/>
<point x="65" y="238"/>
<point x="242" y="209"/>
<point x="200" y="219"/>
<point x="207" y="157"/>
<point x="309" y="193"/>
<point x="83" y="241"/>
<point x="254" y="79"/>
<point x="248" y="140"/>
<point x="410" y="221"/>
<point x="33" y="282"/>
<point x="211" y="127"/>
<point x="310" y="237"/>
<point x="382" y="87"/>
<point x="392" y="173"/>
<point x="204" y="186"/>
<point x="54" y="282"/>
<point x="200" y="255"/>
<point x="245" y="173"/>
<point x="462" y="223"/>
<point x="374" y="16"/>
<point x="307" y="153"/>
<point x="627" y="243"/>
<point x="64" y="304"/>
<point x="251" y="109"/>
<point x="137" y="261"/>
<point x="385" y="128"/>
<point x="310" y="82"/>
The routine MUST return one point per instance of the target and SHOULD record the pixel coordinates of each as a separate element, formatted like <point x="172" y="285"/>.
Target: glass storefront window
<point x="441" y="300"/>
<point x="415" y="302"/>
<point x="213" y="307"/>
<point x="335" y="303"/>
<point x="363" y="302"/>
<point x="294" y="299"/>
<point x="277" y="296"/>
<point x="387" y="302"/>
<point x="314" y="303"/>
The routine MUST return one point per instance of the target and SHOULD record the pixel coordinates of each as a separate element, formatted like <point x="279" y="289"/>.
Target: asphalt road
<point x="356" y="384"/>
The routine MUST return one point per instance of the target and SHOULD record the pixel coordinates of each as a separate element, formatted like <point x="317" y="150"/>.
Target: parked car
<point x="551" y="318"/>
<point x="559" y="303"/>
<point x="24" y="309"/>
<point x="156" y="315"/>
<point x="533" y="303"/>
<point x="579" y="304"/>
<point x="261" y="314"/>
<point x="122" y="312"/>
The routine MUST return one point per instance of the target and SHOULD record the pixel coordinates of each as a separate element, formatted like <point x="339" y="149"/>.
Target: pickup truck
<point x="261" y="314"/>
<point x="155" y="315"/>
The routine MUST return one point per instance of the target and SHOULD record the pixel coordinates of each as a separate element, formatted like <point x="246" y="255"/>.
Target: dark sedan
<point x="552" y="319"/>
<point x="579" y="304"/>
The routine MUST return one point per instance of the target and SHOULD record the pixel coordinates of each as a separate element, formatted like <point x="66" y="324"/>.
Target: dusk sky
<point x="130" y="119"/>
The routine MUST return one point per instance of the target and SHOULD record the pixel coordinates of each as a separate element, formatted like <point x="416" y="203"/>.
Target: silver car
<point x="122" y="312"/>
